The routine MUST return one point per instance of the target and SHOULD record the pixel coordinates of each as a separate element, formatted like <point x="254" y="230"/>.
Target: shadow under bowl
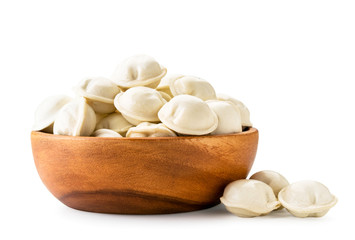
<point x="142" y="175"/>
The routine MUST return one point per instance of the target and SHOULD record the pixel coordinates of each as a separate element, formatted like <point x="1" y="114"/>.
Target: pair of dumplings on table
<point x="141" y="101"/>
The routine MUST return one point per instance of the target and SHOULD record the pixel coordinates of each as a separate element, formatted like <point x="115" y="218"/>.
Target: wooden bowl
<point x="142" y="175"/>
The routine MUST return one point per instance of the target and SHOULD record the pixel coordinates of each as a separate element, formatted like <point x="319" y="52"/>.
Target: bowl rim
<point x="249" y="131"/>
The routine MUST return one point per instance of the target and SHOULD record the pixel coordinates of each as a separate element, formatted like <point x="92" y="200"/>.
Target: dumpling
<point x="249" y="198"/>
<point x="116" y="122"/>
<point x="146" y="129"/>
<point x="139" y="104"/>
<point x="229" y="119"/>
<point x="100" y="116"/>
<point x="274" y="179"/>
<point x="192" y="86"/>
<point x="138" y="70"/>
<point x="105" y="133"/>
<point x="76" y="118"/>
<point x="164" y="84"/>
<point x="307" y="199"/>
<point x="166" y="96"/>
<point x="99" y="93"/>
<point x="186" y="114"/>
<point x="244" y="111"/>
<point x="47" y="111"/>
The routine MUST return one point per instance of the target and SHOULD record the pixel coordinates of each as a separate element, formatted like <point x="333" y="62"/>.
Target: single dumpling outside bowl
<point x="142" y="175"/>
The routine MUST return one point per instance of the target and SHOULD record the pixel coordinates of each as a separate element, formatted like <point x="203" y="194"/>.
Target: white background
<point x="291" y="62"/>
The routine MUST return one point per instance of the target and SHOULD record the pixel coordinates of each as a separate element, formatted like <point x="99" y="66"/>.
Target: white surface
<point x="291" y="62"/>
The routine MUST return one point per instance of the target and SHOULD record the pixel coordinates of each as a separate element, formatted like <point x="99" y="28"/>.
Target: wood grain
<point x="142" y="175"/>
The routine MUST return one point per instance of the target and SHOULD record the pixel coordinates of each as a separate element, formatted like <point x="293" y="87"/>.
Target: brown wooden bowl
<point x="142" y="175"/>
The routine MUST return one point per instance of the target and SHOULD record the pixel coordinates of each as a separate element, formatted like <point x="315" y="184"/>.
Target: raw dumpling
<point x="229" y="119"/>
<point x="307" y="199"/>
<point x="138" y="70"/>
<point x="76" y="118"/>
<point x="249" y="198"/>
<point x="105" y="133"/>
<point x="116" y="122"/>
<point x="166" y="96"/>
<point x="99" y="93"/>
<point x="100" y="116"/>
<point x="139" y="104"/>
<point x="274" y="179"/>
<point x="164" y="84"/>
<point x="192" y="86"/>
<point x="47" y="111"/>
<point x="186" y="114"/>
<point x="244" y="111"/>
<point x="146" y="129"/>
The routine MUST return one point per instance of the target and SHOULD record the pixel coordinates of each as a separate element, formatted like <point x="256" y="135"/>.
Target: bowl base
<point x="129" y="202"/>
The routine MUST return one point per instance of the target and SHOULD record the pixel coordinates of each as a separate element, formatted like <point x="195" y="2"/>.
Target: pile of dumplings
<point x="268" y="190"/>
<point x="140" y="100"/>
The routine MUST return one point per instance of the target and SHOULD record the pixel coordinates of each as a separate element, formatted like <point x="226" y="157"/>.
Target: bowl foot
<point x="130" y="202"/>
